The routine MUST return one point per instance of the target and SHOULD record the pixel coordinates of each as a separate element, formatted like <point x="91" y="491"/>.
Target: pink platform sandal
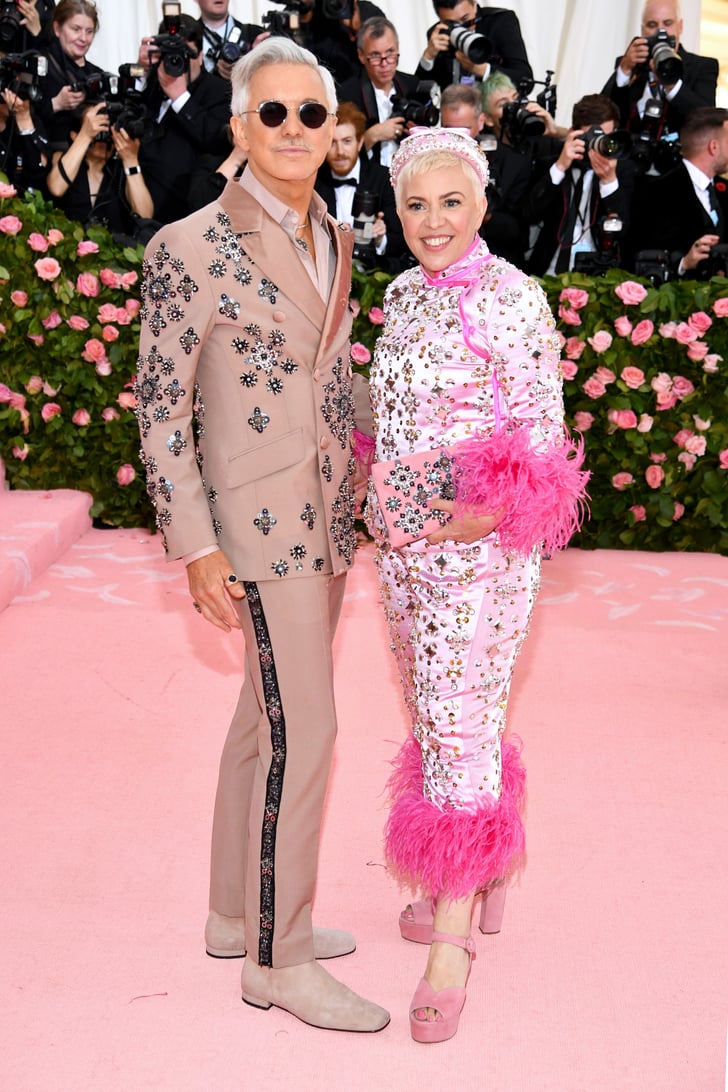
<point x="447" y="1003"/>
<point x="415" y="922"/>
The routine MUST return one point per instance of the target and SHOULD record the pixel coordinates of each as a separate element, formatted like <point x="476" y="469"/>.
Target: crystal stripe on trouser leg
<point x="274" y="784"/>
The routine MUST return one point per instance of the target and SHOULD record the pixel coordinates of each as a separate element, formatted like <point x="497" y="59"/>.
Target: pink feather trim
<point x="454" y="850"/>
<point x="363" y="447"/>
<point x="543" y="493"/>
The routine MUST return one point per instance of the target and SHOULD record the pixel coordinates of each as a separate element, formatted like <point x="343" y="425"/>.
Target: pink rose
<point x="700" y="424"/>
<point x="19" y="298"/>
<point x="711" y="363"/>
<point x="103" y="367"/>
<point x="677" y="511"/>
<point x="86" y="246"/>
<point x="94" y="350"/>
<point x="107" y="312"/>
<point x="360" y="353"/>
<point x="574" y="347"/>
<point x="7" y="190"/>
<point x="5" y="392"/>
<point x="661" y="383"/>
<point x="696" y="445"/>
<point x="376" y="316"/>
<point x="577" y="297"/>
<point x="639" y="512"/>
<point x="631" y="292"/>
<point x="21" y="452"/>
<point x="720" y="307"/>
<point x="37" y="242"/>
<point x="583" y="421"/>
<point x="10" y="225"/>
<point x="47" y="268"/>
<point x="700" y="321"/>
<point x="129" y="279"/>
<point x="78" y="322"/>
<point x="723" y="455"/>
<point x="623" y="418"/>
<point x="622" y="480"/>
<point x="605" y="375"/>
<point x="667" y="329"/>
<point x="37" y="339"/>
<point x="682" y="387"/>
<point x="132" y="307"/>
<point x="569" y="369"/>
<point x="658" y="457"/>
<point x="50" y="410"/>
<point x="623" y="326"/>
<point x="52" y="320"/>
<point x="601" y="341"/>
<point x="666" y="400"/>
<point x="632" y="377"/>
<point x="34" y="385"/>
<point x="110" y="279"/>
<point x="685" y="334"/>
<point x="55" y="236"/>
<point x="642" y="332"/>
<point x="81" y="417"/>
<point x="698" y="351"/>
<point x="50" y="391"/>
<point x="569" y="316"/>
<point x="593" y="387"/>
<point x="126" y="474"/>
<point x="654" y="476"/>
<point x="87" y="284"/>
<point x="109" y="333"/>
<point x="127" y="400"/>
<point x="123" y="317"/>
<point x="17" y="401"/>
<point x="687" y="459"/>
<point x="680" y="437"/>
<point x="645" y="422"/>
<point x="109" y="414"/>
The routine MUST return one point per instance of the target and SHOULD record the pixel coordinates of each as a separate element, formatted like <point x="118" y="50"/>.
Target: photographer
<point x="74" y="27"/>
<point x="91" y="184"/>
<point x="520" y="128"/>
<point x="379" y="83"/>
<point x="330" y="30"/>
<point x="343" y="175"/>
<point x="224" y="38"/>
<point x="190" y="109"/>
<point x="579" y="191"/>
<point x="679" y="82"/>
<point x="503" y="227"/>
<point x="503" y="51"/>
<point x="685" y="212"/>
<point x="23" y="147"/>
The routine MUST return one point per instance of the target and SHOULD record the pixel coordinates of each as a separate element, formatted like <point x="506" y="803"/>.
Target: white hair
<point x="275" y="50"/>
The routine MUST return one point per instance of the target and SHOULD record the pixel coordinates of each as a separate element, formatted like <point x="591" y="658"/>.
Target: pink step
<point x="36" y="528"/>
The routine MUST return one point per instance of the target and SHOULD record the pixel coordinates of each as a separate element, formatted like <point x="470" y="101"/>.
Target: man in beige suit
<point x="245" y="329"/>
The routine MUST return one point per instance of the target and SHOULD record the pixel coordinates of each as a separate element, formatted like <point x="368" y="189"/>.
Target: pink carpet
<point x="611" y="969"/>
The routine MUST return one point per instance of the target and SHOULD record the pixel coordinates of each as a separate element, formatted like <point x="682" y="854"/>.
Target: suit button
<point x="316" y="375"/>
<point x="279" y="316"/>
<point x="324" y="443"/>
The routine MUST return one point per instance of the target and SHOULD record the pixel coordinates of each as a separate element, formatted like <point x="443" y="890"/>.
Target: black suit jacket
<point x="504" y="228"/>
<point x="360" y="90"/>
<point x="548" y="203"/>
<point x="501" y="27"/>
<point x="700" y="76"/>
<point x="375" y="179"/>
<point x="672" y="217"/>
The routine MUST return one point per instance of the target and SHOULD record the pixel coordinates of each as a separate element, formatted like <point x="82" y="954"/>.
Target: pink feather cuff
<point x="454" y="851"/>
<point x="543" y="493"/>
<point x="363" y="450"/>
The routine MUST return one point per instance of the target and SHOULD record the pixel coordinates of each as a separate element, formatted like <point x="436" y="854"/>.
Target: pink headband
<point x="457" y="142"/>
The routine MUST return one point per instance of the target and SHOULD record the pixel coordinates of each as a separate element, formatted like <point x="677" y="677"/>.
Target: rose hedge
<point x="644" y="381"/>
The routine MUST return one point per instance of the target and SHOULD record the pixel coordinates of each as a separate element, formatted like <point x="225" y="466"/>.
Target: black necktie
<point x="336" y="182"/>
<point x="568" y="223"/>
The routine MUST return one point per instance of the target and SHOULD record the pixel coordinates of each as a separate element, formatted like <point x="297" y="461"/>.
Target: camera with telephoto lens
<point x="122" y="103"/>
<point x="21" y="73"/>
<point x="517" y="122"/>
<point x="614" y="145"/>
<point x="667" y="62"/>
<point x="286" y="23"/>
<point x="463" y="39"/>
<point x="172" y="53"/>
<point x="422" y="108"/>
<point x="9" y="22"/>
<point x="608" y="255"/>
<point x="653" y="150"/>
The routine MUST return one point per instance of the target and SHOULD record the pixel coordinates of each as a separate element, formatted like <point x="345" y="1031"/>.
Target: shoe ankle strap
<point x="461" y="942"/>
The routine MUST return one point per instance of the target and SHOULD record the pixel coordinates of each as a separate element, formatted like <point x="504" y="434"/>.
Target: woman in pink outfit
<point x="468" y="356"/>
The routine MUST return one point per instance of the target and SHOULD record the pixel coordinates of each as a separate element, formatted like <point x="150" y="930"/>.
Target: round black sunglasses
<point x="273" y="113"/>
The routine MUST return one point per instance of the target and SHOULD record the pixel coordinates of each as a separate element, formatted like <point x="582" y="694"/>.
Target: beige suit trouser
<point x="275" y="766"/>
